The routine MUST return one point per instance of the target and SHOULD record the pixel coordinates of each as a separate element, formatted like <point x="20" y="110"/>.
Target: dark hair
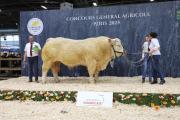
<point x="153" y="34"/>
<point x="31" y="35"/>
<point x="147" y="35"/>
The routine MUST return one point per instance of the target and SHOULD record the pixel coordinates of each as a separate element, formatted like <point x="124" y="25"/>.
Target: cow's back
<point x="76" y="52"/>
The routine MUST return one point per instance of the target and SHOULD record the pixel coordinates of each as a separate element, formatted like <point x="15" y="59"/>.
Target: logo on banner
<point x="35" y="26"/>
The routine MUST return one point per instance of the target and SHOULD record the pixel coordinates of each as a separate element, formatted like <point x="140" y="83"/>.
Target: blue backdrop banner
<point x="130" y="23"/>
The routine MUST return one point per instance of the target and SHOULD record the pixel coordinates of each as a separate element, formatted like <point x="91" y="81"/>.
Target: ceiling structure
<point x="10" y="9"/>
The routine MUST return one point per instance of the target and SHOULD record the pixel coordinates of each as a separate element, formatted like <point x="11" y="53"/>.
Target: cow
<point x="94" y="53"/>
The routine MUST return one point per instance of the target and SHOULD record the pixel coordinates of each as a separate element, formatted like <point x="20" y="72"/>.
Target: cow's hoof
<point x="56" y="80"/>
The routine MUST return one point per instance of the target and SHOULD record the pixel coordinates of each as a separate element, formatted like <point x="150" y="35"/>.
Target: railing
<point x="9" y="70"/>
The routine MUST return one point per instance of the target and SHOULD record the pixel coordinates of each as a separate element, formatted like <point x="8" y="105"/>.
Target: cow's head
<point x="117" y="47"/>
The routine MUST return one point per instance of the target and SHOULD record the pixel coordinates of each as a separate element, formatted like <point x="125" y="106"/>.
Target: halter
<point x="116" y="51"/>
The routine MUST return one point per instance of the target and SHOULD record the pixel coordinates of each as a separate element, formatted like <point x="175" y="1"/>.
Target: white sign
<point x="35" y="26"/>
<point x="94" y="99"/>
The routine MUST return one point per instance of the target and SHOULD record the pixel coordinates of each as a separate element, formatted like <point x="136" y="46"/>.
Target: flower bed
<point x="148" y="99"/>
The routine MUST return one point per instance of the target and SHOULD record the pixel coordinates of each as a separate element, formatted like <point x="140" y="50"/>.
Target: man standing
<point x="156" y="58"/>
<point x="31" y="52"/>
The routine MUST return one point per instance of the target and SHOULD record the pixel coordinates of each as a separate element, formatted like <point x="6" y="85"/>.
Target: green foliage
<point x="148" y="99"/>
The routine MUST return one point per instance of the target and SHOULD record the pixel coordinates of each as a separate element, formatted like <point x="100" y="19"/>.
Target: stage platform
<point x="114" y="84"/>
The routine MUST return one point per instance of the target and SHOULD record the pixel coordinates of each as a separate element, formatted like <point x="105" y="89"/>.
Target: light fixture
<point x="151" y="0"/>
<point x="0" y="10"/>
<point x="44" y="7"/>
<point x="94" y="4"/>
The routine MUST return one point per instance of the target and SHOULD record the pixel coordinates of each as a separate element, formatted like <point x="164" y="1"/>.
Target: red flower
<point x="138" y="98"/>
<point x="171" y="97"/>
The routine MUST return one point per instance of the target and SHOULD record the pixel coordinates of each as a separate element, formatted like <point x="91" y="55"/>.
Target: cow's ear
<point x="111" y="41"/>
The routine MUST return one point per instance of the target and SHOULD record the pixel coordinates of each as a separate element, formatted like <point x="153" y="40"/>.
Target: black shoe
<point x="30" y="80"/>
<point x="37" y="81"/>
<point x="154" y="82"/>
<point x="162" y="82"/>
<point x="143" y="80"/>
<point x="150" y="81"/>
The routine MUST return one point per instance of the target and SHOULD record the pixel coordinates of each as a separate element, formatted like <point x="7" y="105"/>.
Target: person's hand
<point x="150" y="53"/>
<point x="24" y="60"/>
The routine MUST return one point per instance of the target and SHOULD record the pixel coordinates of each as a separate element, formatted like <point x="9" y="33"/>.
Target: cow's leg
<point x="91" y="69"/>
<point x="55" y="70"/>
<point x="96" y="75"/>
<point x="97" y="72"/>
<point x="45" y="68"/>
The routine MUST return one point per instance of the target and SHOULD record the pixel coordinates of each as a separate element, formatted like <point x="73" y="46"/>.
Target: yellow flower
<point x="164" y="94"/>
<point x="156" y="107"/>
<point x="9" y="93"/>
<point x="26" y="93"/>
<point x="164" y="103"/>
<point x="8" y="97"/>
<point x="46" y="94"/>
<point x="32" y="96"/>
<point x="130" y="95"/>
<point x="152" y="104"/>
<point x="57" y="97"/>
<point x="67" y="96"/>
<point x="173" y="102"/>
<point x="28" y="98"/>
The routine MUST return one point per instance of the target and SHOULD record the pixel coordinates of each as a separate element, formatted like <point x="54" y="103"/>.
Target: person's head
<point x="147" y="38"/>
<point x="31" y="38"/>
<point x="152" y="35"/>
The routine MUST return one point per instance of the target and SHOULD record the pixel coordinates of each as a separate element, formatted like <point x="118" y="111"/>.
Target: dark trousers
<point x="156" y="67"/>
<point x="33" y="67"/>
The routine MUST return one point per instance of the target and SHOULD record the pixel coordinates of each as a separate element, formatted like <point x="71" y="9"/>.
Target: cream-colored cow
<point x="94" y="53"/>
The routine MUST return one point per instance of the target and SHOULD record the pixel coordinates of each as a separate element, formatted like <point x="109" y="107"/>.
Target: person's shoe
<point x="162" y="82"/>
<point x="154" y="82"/>
<point x="37" y="81"/>
<point x="30" y="80"/>
<point x="150" y="80"/>
<point x="143" y="80"/>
